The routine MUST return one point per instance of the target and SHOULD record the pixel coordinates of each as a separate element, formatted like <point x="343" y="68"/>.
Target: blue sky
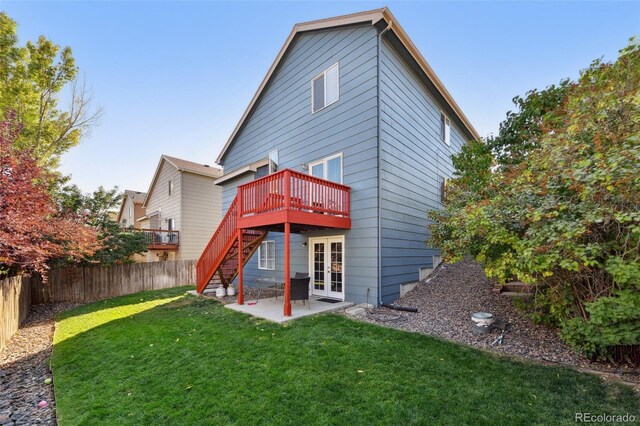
<point x="175" y="77"/>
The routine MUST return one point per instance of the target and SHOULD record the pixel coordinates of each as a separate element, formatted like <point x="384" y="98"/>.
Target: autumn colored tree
<point x="32" y="229"/>
<point x="561" y="211"/>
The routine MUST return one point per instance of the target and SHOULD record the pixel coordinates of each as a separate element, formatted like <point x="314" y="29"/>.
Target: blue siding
<point x="282" y="120"/>
<point x="412" y="157"/>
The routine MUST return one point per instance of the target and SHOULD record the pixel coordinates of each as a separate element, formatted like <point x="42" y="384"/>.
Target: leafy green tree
<point x="32" y="78"/>
<point x="118" y="243"/>
<point x="562" y="211"/>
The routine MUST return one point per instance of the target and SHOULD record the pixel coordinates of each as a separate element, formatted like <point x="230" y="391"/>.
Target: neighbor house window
<point x="170" y="187"/>
<point x="130" y="211"/>
<point x="329" y="168"/>
<point x="445" y="129"/>
<point x="325" y="88"/>
<point x="267" y="255"/>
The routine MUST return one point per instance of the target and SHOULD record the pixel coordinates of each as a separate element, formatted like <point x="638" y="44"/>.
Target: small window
<point x="130" y="211"/>
<point x="273" y="161"/>
<point x="171" y="224"/>
<point x="445" y="129"/>
<point x="267" y="255"/>
<point x="325" y="88"/>
<point x="170" y="187"/>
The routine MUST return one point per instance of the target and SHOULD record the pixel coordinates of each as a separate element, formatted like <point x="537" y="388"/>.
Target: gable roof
<point x="183" y="166"/>
<point x="136" y="196"/>
<point x="372" y="17"/>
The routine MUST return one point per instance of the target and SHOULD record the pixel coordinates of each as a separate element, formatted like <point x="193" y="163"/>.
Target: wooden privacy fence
<point x="103" y="282"/>
<point x="15" y="300"/>
<point x="85" y="284"/>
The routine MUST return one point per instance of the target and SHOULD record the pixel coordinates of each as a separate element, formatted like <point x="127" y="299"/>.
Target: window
<point x="445" y="129"/>
<point x="130" y="211"/>
<point x="273" y="161"/>
<point x="443" y="189"/>
<point x="325" y="88"/>
<point x="171" y="224"/>
<point x="267" y="255"/>
<point x="329" y="168"/>
<point x="170" y="187"/>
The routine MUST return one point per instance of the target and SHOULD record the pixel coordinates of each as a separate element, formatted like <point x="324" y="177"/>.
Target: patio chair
<point x="300" y="290"/>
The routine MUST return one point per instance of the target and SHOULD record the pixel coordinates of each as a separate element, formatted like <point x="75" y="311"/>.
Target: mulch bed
<point x="24" y="367"/>
<point x="448" y="298"/>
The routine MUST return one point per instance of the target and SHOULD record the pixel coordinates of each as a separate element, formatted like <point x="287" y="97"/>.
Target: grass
<point x="169" y="358"/>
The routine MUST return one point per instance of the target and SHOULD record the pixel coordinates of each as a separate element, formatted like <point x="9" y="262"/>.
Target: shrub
<point x="565" y="214"/>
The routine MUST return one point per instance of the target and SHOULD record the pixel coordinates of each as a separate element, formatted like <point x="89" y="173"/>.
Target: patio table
<point x="269" y="284"/>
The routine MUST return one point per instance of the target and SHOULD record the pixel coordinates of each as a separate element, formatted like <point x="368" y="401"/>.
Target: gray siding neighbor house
<point x="350" y="100"/>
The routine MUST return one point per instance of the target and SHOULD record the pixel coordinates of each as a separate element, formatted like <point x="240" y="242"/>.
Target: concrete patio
<point x="271" y="308"/>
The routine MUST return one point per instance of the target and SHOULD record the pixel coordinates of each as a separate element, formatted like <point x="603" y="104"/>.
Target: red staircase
<point x="283" y="197"/>
<point x="220" y="256"/>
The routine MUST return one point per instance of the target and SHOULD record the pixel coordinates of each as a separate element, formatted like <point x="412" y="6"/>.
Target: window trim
<point x="324" y="74"/>
<point x="325" y="160"/>
<point x="266" y="267"/>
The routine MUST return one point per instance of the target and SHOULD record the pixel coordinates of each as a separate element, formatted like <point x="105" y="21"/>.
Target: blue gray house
<point x="336" y="161"/>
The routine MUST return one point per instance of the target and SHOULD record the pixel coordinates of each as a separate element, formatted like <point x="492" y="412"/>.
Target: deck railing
<point x="217" y="247"/>
<point x="161" y="238"/>
<point x="291" y="190"/>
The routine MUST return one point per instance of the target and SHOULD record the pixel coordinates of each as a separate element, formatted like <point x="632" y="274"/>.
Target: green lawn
<point x="169" y="358"/>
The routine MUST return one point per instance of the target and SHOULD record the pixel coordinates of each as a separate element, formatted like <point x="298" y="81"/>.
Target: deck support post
<point x="240" y="268"/>
<point x="287" y="269"/>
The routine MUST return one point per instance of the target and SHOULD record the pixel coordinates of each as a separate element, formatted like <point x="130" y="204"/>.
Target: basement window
<point x="325" y="88"/>
<point x="267" y="255"/>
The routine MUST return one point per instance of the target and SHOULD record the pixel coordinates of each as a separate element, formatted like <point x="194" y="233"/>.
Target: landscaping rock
<point x="447" y="299"/>
<point x="24" y="363"/>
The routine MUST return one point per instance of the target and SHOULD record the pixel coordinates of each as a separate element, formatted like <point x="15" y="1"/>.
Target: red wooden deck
<point x="286" y="201"/>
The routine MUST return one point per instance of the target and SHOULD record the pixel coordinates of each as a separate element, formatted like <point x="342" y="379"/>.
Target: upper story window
<point x="329" y="168"/>
<point x="130" y="211"/>
<point x="445" y="129"/>
<point x="325" y="88"/>
<point x="170" y="187"/>
<point x="267" y="255"/>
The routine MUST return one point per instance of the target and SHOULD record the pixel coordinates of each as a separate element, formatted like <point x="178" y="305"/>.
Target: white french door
<point x="326" y="264"/>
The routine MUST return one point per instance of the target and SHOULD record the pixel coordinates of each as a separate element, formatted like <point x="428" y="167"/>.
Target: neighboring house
<point x="349" y="100"/>
<point x="183" y="209"/>
<point x="131" y="209"/>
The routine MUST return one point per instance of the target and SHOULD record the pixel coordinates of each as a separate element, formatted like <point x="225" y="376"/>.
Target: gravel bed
<point x="24" y="367"/>
<point x="250" y="294"/>
<point x="454" y="292"/>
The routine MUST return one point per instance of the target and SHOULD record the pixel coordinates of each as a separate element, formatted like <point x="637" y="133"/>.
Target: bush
<point x="564" y="213"/>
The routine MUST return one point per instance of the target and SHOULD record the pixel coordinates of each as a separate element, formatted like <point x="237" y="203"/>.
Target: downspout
<point x="379" y="162"/>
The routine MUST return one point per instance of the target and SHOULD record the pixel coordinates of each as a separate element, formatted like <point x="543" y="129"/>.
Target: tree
<point x="118" y="243"/>
<point x="32" y="230"/>
<point x="31" y="80"/>
<point x="562" y="211"/>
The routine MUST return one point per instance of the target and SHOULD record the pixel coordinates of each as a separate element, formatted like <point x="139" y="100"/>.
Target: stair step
<point x="517" y="286"/>
<point x="515" y="294"/>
